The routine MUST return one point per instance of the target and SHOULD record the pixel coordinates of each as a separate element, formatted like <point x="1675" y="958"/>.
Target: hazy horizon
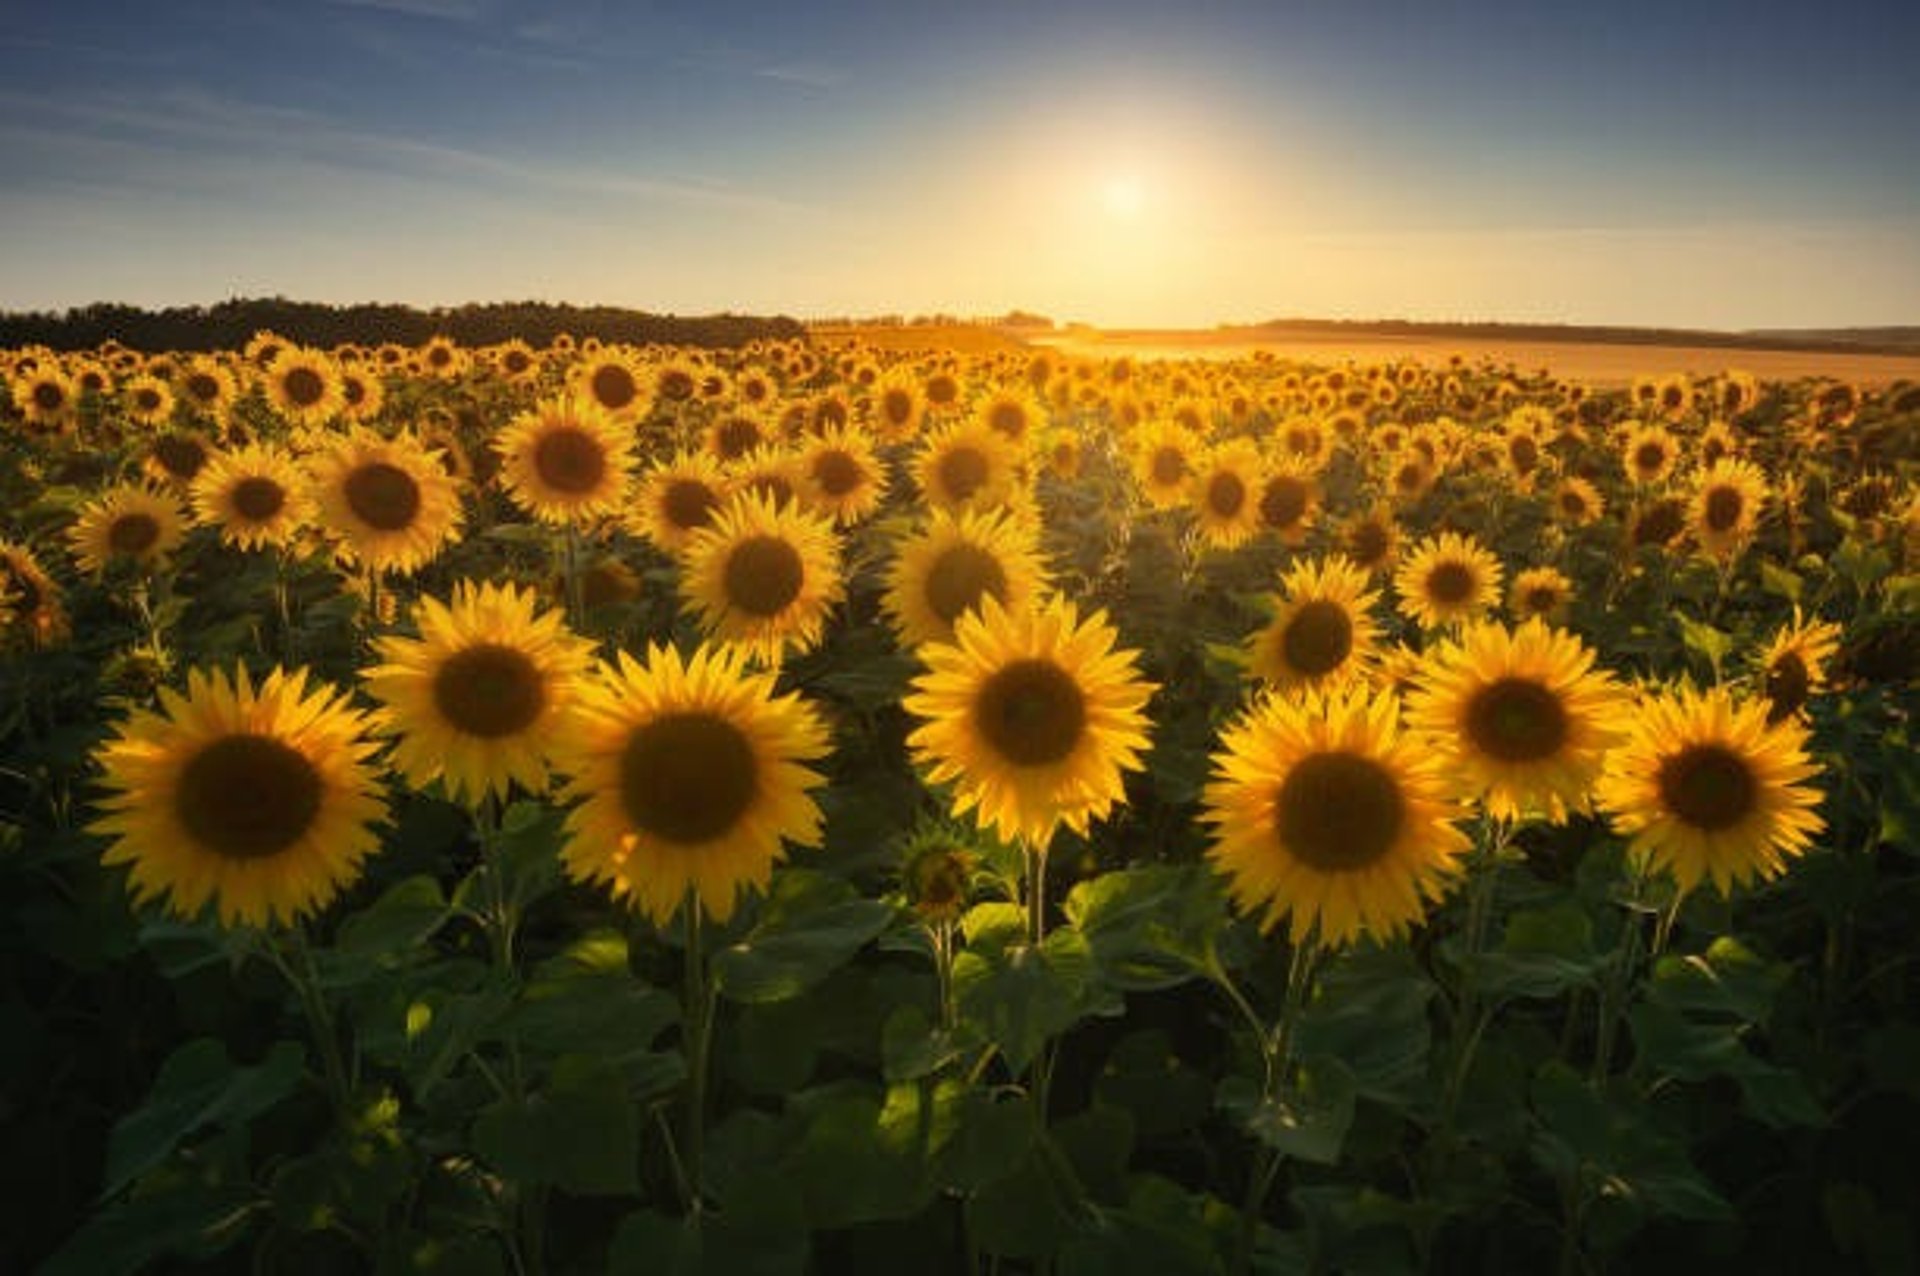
<point x="1712" y="168"/>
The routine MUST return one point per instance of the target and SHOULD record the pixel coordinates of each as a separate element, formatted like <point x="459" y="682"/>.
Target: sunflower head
<point x="1032" y="716"/>
<point x="566" y="461"/>
<point x="1448" y="579"/>
<point x="951" y="566"/>
<point x="255" y="495"/>
<point x="259" y="801"/>
<point x="131" y="523"/>
<point x="1542" y="592"/>
<point x="937" y="866"/>
<point x="763" y="576"/>
<point x="1226" y="494"/>
<point x="967" y="466"/>
<point x="390" y="502"/>
<point x="1322" y="633"/>
<point x="30" y="606"/>
<point x="1793" y="665"/>
<point x="677" y="499"/>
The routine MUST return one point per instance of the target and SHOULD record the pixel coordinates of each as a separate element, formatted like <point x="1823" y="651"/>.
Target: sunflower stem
<point x="698" y="1015"/>
<point x="303" y="976"/>
<point x="1276" y="1046"/>
<point x="1614" y="995"/>
<point x="1036" y="895"/>
<point x="576" y="595"/>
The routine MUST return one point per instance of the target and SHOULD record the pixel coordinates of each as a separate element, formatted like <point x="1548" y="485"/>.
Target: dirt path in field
<point x="1596" y="363"/>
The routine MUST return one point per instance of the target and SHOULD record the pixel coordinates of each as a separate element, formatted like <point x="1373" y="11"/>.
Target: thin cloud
<point x="809" y="74"/>
<point x="448" y="10"/>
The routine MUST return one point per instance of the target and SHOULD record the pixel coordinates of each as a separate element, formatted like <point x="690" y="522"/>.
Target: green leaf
<point x="652" y="1244"/>
<point x="991" y="927"/>
<point x="580" y="1134"/>
<point x="991" y="1137"/>
<point x="1021" y="1215"/>
<point x="1148" y="928"/>
<point x="1145" y="1077"/>
<point x="1727" y="979"/>
<point x="1309" y="1121"/>
<point x="1544" y="952"/>
<point x="865" y="1156"/>
<point x="1024" y="997"/>
<point x="199" y="1220"/>
<point x="1097" y="1143"/>
<point x="1162" y="1230"/>
<point x="1370" y="1015"/>
<point x="198" y="1086"/>
<point x="395" y="925"/>
<point x="585" y="1001"/>
<point x="810" y="925"/>
<point x="1780" y="581"/>
<point x="911" y="1046"/>
<point x="1710" y="644"/>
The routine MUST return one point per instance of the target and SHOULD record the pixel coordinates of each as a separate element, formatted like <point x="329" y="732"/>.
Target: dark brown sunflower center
<point x="1032" y="712"/>
<point x="1524" y="453"/>
<point x="179" y="455"/>
<point x="1788" y="684"/>
<point x="248" y="796"/>
<point x="1712" y="449"/>
<point x="687" y="777"/>
<point x="1368" y="543"/>
<point x="1410" y="477"/>
<point x="1318" y="637"/>
<point x="133" y="534"/>
<point x="1010" y="419"/>
<point x="303" y="386"/>
<point x="689" y="504"/>
<point x="1572" y="503"/>
<point x="1450" y="584"/>
<point x="1649" y="457"/>
<point x="1516" y="720"/>
<point x="146" y="399"/>
<point x="963" y="471"/>
<point x="764" y="575"/>
<point x="1283" y="502"/>
<point x="384" y="497"/>
<point x="439" y="356"/>
<point x="1708" y="786"/>
<point x="489" y="690"/>
<point x="1169" y="466"/>
<point x="1723" y="508"/>
<point x="837" y="472"/>
<point x="613" y="386"/>
<point x="516" y="362"/>
<point x="203" y="388"/>
<point x="676" y="385"/>
<point x="1659" y="523"/>
<point x="570" y="461"/>
<point x="1338" y="812"/>
<point x="896" y="406"/>
<point x="1542" y="598"/>
<point x="49" y="397"/>
<point x="943" y="390"/>
<point x="1226" y="495"/>
<point x="258" y="499"/>
<point x="829" y="413"/>
<point x="960" y="577"/>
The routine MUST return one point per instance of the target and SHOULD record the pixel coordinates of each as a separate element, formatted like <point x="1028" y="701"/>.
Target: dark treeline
<point x="1892" y="340"/>
<point x="228" y="325"/>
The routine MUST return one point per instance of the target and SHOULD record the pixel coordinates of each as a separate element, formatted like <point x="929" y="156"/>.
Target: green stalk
<point x="698" y="1016"/>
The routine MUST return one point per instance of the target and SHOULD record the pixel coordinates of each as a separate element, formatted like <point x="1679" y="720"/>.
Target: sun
<point x="1124" y="197"/>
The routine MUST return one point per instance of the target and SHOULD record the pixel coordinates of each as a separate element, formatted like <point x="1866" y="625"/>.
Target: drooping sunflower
<point x="304" y="386"/>
<point x="845" y="479"/>
<point x="1522" y="717"/>
<point x="967" y="466"/>
<point x="130" y="523"/>
<point x="763" y="576"/>
<point x="259" y="801"/>
<point x="1726" y="506"/>
<point x="29" y="598"/>
<point x="390" y="502"/>
<point x="946" y="569"/>
<point x="481" y="698"/>
<point x="1322" y="633"/>
<point x="1707" y="788"/>
<point x="1163" y="462"/>
<point x="1448" y="578"/>
<point x="1539" y="591"/>
<point x="1226" y="493"/>
<point x="1793" y="664"/>
<point x="692" y="776"/>
<point x="1332" y="818"/>
<point x="255" y="495"/>
<point x="1032" y="715"/>
<point x="566" y="461"/>
<point x="677" y="499"/>
<point x="613" y="383"/>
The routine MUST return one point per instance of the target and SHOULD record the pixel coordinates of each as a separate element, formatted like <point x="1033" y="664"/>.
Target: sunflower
<point x="304" y="386"/>
<point x="763" y="576"/>
<point x="755" y="388"/>
<point x="1717" y="443"/>
<point x="177" y="456"/>
<point x="255" y="495"/>
<point x="45" y="397"/>
<point x="1322" y="633"/>
<point x="967" y="466"/>
<point x="1577" y="502"/>
<point x="947" y="569"/>
<point x="390" y="503"/>
<point x="1287" y="500"/>
<point x="611" y="382"/>
<point x="676" y="383"/>
<point x="1447" y="578"/>
<point x="1163" y="456"/>
<point x="1332" y="818"/>
<point x="1658" y="523"/>
<point x="147" y="400"/>
<point x="1539" y="591"/>
<point x="675" y="500"/>
<point x="1521" y="716"/>
<point x="691" y="776"/>
<point x="1371" y="539"/>
<point x="1033" y="715"/>
<point x="1013" y="413"/>
<point x="1649" y="452"/>
<point x="1410" y="476"/>
<point x="1063" y="453"/>
<point x="1226" y="494"/>
<point x="208" y="388"/>
<point x="442" y="358"/>
<point x="1793" y="665"/>
<point x="772" y="472"/>
<point x="481" y="698"/>
<point x="257" y="800"/>
<point x="565" y="461"/>
<point x="363" y="395"/>
<point x="129" y="523"/>
<point x="843" y="478"/>
<point x="1706" y="787"/>
<point x="29" y="598"/>
<point x="1726" y="506"/>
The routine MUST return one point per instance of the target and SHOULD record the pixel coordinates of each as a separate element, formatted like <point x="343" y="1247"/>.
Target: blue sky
<point x="1695" y="164"/>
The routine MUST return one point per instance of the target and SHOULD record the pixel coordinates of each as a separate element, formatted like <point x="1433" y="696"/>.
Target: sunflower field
<point x="810" y="808"/>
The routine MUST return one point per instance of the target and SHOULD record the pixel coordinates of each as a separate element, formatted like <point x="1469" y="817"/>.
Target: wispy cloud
<point x="812" y="75"/>
<point x="450" y="10"/>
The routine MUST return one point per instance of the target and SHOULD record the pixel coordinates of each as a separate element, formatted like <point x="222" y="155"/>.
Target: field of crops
<point x="800" y="808"/>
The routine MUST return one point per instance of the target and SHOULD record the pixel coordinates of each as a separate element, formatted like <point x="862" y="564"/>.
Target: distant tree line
<point x="1891" y="340"/>
<point x="228" y="324"/>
